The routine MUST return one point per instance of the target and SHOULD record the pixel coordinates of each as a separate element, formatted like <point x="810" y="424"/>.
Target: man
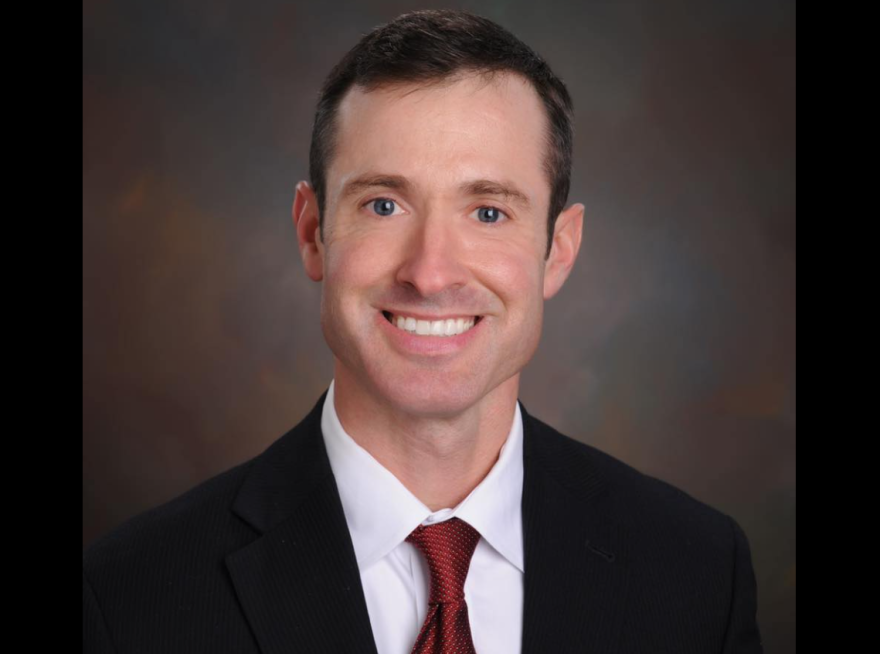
<point x="419" y="507"/>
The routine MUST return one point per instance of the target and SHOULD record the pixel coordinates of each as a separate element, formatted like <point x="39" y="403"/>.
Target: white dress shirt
<point x="381" y="512"/>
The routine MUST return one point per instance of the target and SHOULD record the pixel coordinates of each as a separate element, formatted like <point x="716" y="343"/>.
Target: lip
<point x="433" y="346"/>
<point x="422" y="316"/>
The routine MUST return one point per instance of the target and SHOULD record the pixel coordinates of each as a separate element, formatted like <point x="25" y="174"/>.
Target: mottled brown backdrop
<point x="672" y="346"/>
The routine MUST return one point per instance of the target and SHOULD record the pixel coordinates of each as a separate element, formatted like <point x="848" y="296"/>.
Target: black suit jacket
<point x="259" y="559"/>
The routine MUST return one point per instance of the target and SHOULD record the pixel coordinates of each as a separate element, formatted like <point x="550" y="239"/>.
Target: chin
<point x="430" y="398"/>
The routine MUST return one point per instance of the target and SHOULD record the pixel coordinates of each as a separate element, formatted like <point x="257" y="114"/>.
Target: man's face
<point x="405" y="234"/>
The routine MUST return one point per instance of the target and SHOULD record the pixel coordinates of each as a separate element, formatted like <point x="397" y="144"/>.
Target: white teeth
<point x="449" y="327"/>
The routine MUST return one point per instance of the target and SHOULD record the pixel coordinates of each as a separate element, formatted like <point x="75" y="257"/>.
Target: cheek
<point x="517" y="282"/>
<point x="518" y="279"/>
<point x="354" y="270"/>
<point x="352" y="263"/>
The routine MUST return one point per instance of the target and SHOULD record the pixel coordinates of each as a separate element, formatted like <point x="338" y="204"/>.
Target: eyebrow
<point x="506" y="190"/>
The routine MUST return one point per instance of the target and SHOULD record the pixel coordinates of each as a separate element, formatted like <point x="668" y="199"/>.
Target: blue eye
<point x="383" y="206"/>
<point x="491" y="213"/>
<point x="488" y="215"/>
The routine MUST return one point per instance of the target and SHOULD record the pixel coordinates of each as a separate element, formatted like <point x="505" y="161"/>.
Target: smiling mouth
<point x="447" y="327"/>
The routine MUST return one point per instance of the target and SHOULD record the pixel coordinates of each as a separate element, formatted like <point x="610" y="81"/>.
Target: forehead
<point x="440" y="134"/>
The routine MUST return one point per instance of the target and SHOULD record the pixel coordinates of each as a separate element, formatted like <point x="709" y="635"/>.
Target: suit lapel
<point x="575" y="551"/>
<point x="299" y="583"/>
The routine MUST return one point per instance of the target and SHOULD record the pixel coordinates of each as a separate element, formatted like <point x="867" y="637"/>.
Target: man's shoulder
<point x="160" y="578"/>
<point x="200" y="525"/>
<point x="191" y="526"/>
<point x="643" y="502"/>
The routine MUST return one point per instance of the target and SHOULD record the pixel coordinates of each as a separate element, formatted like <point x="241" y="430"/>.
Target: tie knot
<point x="448" y="546"/>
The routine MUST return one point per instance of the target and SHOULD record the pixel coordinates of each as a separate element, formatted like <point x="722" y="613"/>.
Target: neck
<point x="439" y="458"/>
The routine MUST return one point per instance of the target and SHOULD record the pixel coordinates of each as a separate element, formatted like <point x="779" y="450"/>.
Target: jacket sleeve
<point x="743" y="635"/>
<point x="96" y="637"/>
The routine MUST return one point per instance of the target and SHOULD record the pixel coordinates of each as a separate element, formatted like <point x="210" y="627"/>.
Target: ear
<point x="566" y="244"/>
<point x="308" y="231"/>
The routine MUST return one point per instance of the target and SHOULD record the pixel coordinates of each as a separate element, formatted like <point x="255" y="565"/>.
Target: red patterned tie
<point x="448" y="546"/>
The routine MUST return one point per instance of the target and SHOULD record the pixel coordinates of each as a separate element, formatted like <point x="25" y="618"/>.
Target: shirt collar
<point x="381" y="512"/>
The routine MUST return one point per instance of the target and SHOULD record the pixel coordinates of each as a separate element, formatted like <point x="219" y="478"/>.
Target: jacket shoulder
<point x="643" y="502"/>
<point x="194" y="522"/>
<point x="688" y="557"/>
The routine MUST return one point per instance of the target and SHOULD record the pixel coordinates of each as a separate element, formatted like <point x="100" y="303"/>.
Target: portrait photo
<point x="439" y="329"/>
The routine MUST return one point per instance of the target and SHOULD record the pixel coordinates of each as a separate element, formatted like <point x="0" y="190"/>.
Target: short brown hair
<point x="431" y="46"/>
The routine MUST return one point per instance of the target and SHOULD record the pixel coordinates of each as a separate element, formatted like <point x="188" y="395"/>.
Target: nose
<point x="434" y="258"/>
